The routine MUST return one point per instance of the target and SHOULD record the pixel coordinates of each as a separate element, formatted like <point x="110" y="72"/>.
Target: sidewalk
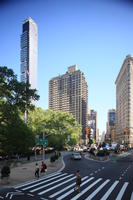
<point x="25" y="172"/>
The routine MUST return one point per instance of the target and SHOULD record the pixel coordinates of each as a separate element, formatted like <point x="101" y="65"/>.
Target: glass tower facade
<point x="29" y="46"/>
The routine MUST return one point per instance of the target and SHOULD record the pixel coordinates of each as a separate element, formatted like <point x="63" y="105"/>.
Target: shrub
<point x="103" y="152"/>
<point x="5" y="171"/>
<point x="92" y="151"/>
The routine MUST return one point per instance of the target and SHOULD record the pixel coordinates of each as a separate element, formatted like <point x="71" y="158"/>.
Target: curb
<point x="88" y="158"/>
<point x="63" y="165"/>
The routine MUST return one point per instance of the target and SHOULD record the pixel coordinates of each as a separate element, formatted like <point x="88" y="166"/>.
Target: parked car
<point x="76" y="156"/>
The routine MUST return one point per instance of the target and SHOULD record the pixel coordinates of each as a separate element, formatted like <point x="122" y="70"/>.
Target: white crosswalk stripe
<point x="62" y="183"/>
<point x="86" y="189"/>
<point x="109" y="191"/>
<point x="60" y="186"/>
<point x="43" y="182"/>
<point x="64" y="189"/>
<point x="36" y="181"/>
<point x="51" y="183"/>
<point x="97" y="190"/>
<point x="120" y="195"/>
<point x="131" y="196"/>
<point x="72" y="190"/>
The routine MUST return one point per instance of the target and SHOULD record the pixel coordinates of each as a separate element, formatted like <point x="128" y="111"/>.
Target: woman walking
<point x="78" y="181"/>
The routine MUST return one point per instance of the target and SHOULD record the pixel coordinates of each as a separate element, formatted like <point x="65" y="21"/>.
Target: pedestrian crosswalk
<point x="60" y="186"/>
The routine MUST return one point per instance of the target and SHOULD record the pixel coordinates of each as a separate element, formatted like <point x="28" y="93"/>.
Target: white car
<point x="76" y="156"/>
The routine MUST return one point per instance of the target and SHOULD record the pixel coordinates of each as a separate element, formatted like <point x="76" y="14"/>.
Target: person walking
<point x="78" y="181"/>
<point x="37" y="170"/>
<point x="43" y="167"/>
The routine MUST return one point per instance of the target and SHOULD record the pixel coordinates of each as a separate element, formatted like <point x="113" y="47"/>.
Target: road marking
<point x="119" y="197"/>
<point x="109" y="191"/>
<point x="35" y="181"/>
<point x="97" y="190"/>
<point x="43" y="192"/>
<point x="86" y="189"/>
<point x="64" y="189"/>
<point x="72" y="190"/>
<point x="31" y="186"/>
<point x="131" y="196"/>
<point x="8" y="194"/>
<point x="50" y="183"/>
<point x="31" y="195"/>
<point x="11" y="194"/>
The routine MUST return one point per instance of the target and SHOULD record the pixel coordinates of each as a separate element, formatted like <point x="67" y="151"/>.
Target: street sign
<point x="43" y="142"/>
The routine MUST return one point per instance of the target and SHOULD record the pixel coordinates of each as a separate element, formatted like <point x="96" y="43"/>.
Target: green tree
<point x="14" y="97"/>
<point x="58" y="124"/>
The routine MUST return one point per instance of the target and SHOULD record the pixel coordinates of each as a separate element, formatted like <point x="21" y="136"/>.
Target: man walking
<point x="37" y="170"/>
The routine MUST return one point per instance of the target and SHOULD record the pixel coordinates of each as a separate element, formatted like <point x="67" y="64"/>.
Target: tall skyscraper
<point x="124" y="103"/>
<point x="111" y="131"/>
<point x="69" y="93"/>
<point x="29" y="51"/>
<point x="92" y="123"/>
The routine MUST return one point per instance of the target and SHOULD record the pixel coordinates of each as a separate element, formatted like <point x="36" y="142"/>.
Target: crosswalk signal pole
<point x="43" y="158"/>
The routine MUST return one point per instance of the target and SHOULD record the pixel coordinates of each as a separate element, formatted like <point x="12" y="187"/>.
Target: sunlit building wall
<point x="124" y="103"/>
<point x="69" y="93"/>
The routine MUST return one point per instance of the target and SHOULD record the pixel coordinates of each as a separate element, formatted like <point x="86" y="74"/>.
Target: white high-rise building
<point x="29" y="51"/>
<point x="124" y="103"/>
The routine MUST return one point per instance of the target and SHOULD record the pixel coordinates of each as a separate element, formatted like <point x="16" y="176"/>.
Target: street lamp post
<point x="43" y="142"/>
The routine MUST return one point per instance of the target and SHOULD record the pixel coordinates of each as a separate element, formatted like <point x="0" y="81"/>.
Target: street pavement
<point x="100" y="181"/>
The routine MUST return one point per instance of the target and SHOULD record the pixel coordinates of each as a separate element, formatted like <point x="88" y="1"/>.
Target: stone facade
<point x="124" y="103"/>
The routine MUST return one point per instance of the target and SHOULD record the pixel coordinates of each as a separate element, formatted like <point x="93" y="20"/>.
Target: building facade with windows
<point x="29" y="51"/>
<point x="110" y="129"/>
<point x="92" y="123"/>
<point x="124" y="103"/>
<point x="69" y="93"/>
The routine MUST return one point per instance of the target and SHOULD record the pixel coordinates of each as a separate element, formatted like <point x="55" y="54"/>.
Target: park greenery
<point x="16" y="137"/>
<point x="61" y="129"/>
<point x="15" y="97"/>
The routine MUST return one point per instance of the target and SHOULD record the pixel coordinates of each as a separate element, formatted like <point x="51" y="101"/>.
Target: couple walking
<point x="37" y="169"/>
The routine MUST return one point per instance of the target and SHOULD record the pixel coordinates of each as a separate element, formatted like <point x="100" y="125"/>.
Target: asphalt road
<point x="111" y="180"/>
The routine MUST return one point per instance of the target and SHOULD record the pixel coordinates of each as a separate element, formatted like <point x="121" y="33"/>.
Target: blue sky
<point x="96" y="35"/>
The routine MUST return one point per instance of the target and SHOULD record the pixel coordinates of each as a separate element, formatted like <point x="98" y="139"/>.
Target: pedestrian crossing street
<point x="61" y="186"/>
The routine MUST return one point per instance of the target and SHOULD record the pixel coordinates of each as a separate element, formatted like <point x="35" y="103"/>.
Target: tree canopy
<point x="60" y="126"/>
<point x="15" y="96"/>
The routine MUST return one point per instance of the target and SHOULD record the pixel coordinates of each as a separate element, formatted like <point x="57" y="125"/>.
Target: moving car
<point x="76" y="156"/>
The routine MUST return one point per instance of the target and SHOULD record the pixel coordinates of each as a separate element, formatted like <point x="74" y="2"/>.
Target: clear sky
<point x="96" y="35"/>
